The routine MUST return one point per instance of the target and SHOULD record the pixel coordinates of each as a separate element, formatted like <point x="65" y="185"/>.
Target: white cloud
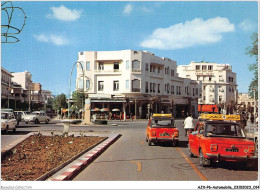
<point x="128" y="9"/>
<point x="247" y="25"/>
<point x="54" y="39"/>
<point x="64" y="14"/>
<point x="190" y="33"/>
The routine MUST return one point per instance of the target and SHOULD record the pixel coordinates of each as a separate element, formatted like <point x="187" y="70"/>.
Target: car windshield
<point x="4" y="116"/>
<point x="169" y="123"/>
<point x="224" y="130"/>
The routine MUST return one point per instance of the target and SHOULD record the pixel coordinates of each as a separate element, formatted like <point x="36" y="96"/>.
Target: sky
<point x="183" y="31"/>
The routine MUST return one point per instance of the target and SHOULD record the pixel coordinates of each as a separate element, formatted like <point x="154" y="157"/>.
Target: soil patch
<point x="39" y="154"/>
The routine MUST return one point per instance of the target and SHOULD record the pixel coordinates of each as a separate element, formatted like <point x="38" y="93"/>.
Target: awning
<point x="111" y="100"/>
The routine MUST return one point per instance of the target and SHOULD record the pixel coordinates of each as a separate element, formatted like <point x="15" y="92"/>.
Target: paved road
<point x="131" y="159"/>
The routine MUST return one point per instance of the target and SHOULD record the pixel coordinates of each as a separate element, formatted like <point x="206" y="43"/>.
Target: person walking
<point x="188" y="124"/>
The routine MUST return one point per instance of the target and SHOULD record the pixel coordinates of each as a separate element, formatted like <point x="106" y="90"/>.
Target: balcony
<point x="114" y="71"/>
<point x="136" y="89"/>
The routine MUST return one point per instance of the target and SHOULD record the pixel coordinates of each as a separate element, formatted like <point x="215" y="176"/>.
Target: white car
<point x="37" y="117"/>
<point x="8" y="122"/>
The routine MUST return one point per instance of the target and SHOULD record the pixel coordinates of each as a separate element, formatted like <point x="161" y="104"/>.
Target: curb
<point x="85" y="160"/>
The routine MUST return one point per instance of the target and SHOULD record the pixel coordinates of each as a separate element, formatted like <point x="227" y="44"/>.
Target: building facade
<point x="136" y="82"/>
<point x="219" y="83"/>
<point x="6" y="87"/>
<point x="247" y="103"/>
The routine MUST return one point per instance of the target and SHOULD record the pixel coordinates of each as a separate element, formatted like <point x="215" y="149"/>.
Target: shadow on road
<point x="27" y="126"/>
<point x="234" y="166"/>
<point x="182" y="144"/>
<point x="18" y="133"/>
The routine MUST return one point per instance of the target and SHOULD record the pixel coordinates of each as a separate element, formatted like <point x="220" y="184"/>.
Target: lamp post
<point x="70" y="84"/>
<point x="254" y="104"/>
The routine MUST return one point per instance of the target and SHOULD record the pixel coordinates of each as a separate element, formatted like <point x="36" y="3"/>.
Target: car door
<point x="197" y="139"/>
<point x="192" y="137"/>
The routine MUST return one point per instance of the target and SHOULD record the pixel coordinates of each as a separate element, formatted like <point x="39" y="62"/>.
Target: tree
<point x="78" y="99"/>
<point x="253" y="51"/>
<point x="60" y="102"/>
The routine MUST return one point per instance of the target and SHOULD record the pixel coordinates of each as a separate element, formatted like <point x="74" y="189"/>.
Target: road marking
<point x="192" y="165"/>
<point x="139" y="165"/>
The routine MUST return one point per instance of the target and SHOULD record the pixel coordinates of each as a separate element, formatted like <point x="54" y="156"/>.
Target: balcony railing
<point x="108" y="71"/>
<point x="136" y="89"/>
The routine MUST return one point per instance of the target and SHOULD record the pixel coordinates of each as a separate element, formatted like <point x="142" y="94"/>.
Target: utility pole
<point x="254" y="105"/>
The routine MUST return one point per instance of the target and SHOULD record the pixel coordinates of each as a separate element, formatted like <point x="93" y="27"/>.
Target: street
<point x="131" y="159"/>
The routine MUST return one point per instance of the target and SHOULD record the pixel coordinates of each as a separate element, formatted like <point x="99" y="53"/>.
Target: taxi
<point x="217" y="138"/>
<point x="162" y="128"/>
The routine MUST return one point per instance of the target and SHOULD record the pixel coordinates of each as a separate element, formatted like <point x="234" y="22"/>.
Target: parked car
<point x="162" y="128"/>
<point x="220" y="138"/>
<point x="19" y="115"/>
<point x="37" y="117"/>
<point x="8" y="122"/>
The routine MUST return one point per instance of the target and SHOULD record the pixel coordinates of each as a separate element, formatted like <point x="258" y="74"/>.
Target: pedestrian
<point x="188" y="124"/>
<point x="131" y="116"/>
<point x="252" y="118"/>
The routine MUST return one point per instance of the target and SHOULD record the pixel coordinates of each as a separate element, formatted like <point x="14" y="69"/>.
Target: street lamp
<point x="254" y="104"/>
<point x="70" y="84"/>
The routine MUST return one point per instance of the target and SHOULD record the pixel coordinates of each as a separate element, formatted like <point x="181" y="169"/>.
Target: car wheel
<point x="149" y="142"/>
<point x="26" y="122"/>
<point x="36" y="121"/>
<point x="6" y="129"/>
<point x="47" y="121"/>
<point x="202" y="159"/>
<point x="190" y="153"/>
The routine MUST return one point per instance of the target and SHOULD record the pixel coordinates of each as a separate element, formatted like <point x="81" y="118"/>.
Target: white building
<point x="219" y="83"/>
<point x="134" y="81"/>
<point x="24" y="79"/>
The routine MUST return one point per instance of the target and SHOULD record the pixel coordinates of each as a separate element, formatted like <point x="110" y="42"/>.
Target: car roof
<point x="219" y="122"/>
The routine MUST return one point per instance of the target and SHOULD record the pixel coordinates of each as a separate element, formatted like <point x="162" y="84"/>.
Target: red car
<point x="219" y="140"/>
<point x="162" y="128"/>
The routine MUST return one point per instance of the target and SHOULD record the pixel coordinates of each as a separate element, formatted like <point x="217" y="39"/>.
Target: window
<point x="146" y="67"/>
<point x="80" y="85"/>
<point x="193" y="91"/>
<point x="159" y="69"/>
<point x="151" y="87"/>
<point x="159" y="88"/>
<point x="100" y="66"/>
<point x="136" y="85"/>
<point x="100" y="85"/>
<point x="127" y="84"/>
<point x="88" y="66"/>
<point x="210" y="67"/>
<point x="127" y="65"/>
<point x="146" y="87"/>
<point x="197" y="67"/>
<point x="172" y="72"/>
<point x="219" y="99"/>
<point x="116" y="85"/>
<point x="136" y="66"/>
<point x="151" y="68"/>
<point x="116" y="66"/>
<point x="210" y="78"/>
<point x="204" y="67"/>
<point x="87" y="84"/>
